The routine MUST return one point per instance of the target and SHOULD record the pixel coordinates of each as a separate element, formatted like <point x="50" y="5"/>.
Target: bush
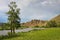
<point x="24" y="27"/>
<point x="36" y="26"/>
<point x="58" y="24"/>
<point x="51" y="24"/>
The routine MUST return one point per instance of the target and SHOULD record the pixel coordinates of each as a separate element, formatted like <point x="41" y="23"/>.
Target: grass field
<point x="46" y="34"/>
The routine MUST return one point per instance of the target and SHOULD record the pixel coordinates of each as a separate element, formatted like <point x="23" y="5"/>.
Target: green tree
<point x="51" y="24"/>
<point x="58" y="24"/>
<point x="13" y="16"/>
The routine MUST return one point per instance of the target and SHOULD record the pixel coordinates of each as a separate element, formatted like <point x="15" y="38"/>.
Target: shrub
<point x="51" y="24"/>
<point x="36" y="26"/>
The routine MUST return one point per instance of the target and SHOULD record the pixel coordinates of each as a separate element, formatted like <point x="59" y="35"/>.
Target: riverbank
<point x="47" y="34"/>
<point x="5" y="32"/>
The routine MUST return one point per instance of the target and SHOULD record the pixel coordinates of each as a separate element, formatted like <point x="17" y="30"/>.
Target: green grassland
<point x="46" y="34"/>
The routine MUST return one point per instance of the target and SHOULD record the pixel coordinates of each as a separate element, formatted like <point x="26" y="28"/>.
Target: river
<point x="5" y="32"/>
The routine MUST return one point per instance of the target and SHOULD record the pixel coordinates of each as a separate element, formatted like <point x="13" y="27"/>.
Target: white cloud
<point x="46" y="3"/>
<point x="3" y="8"/>
<point x="23" y="3"/>
<point x="32" y="9"/>
<point x="50" y="2"/>
<point x="40" y="16"/>
<point x="3" y="5"/>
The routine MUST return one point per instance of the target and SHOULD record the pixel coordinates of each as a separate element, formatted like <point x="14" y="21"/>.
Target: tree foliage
<point x="51" y="24"/>
<point x="13" y="16"/>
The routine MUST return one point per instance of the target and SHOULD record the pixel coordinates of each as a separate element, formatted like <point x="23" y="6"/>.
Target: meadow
<point x="46" y="34"/>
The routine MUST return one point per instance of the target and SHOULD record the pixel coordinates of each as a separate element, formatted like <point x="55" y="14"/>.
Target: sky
<point x="31" y="9"/>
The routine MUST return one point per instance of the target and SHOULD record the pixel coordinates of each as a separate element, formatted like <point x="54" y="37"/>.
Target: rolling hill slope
<point x="41" y="22"/>
<point x="57" y="18"/>
<point x="33" y="23"/>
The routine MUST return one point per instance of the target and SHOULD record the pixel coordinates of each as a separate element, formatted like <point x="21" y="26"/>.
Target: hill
<point x="57" y="18"/>
<point x="54" y="22"/>
<point x="33" y="23"/>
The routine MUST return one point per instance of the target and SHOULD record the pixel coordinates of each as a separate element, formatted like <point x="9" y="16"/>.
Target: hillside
<point x="54" y="21"/>
<point x="34" y="23"/>
<point x="57" y="18"/>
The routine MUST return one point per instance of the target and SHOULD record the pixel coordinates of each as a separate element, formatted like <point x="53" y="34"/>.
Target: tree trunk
<point x="11" y="30"/>
<point x="14" y="30"/>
